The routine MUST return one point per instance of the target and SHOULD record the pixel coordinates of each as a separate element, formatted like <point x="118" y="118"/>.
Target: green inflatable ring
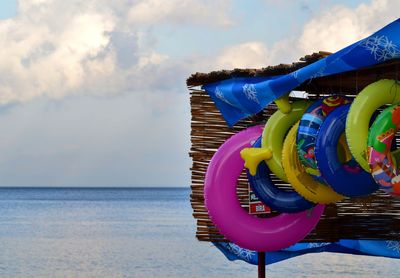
<point x="381" y="160"/>
<point x="372" y="97"/>
<point x="275" y="132"/>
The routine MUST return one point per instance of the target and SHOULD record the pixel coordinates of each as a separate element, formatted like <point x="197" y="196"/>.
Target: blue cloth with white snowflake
<point x="238" y="98"/>
<point x="382" y="248"/>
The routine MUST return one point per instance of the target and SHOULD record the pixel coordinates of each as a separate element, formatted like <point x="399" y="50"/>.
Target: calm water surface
<point x="134" y="233"/>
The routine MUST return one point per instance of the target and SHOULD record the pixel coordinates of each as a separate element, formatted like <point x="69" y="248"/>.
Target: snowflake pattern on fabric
<point x="393" y="245"/>
<point x="294" y="74"/>
<point x="319" y="73"/>
<point x="219" y="94"/>
<point x="317" y="244"/>
<point x="243" y="253"/>
<point x="250" y="92"/>
<point x="381" y="47"/>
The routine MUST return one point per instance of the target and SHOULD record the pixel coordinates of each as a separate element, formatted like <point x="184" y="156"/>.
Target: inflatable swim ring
<point x="364" y="105"/>
<point x="380" y="158"/>
<point x="348" y="179"/>
<point x="302" y="182"/>
<point x="310" y="124"/>
<point x="276" y="198"/>
<point x="272" y="139"/>
<point x="232" y="220"/>
<point x="274" y="134"/>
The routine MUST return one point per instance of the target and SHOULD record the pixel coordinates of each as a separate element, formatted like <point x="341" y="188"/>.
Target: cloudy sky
<point x="92" y="93"/>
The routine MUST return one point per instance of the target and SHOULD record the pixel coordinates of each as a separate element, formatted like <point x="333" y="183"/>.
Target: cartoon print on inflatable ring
<point x="381" y="161"/>
<point x="309" y="127"/>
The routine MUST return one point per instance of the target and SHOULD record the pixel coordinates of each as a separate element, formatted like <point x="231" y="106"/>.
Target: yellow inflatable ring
<point x="372" y="97"/>
<point x="302" y="182"/>
<point x="274" y="134"/>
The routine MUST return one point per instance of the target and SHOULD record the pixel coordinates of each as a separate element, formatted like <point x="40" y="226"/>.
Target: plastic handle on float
<point x="283" y="104"/>
<point x="253" y="156"/>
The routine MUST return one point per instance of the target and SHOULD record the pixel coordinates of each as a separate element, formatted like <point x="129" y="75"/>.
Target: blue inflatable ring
<point x="310" y="124"/>
<point x="348" y="179"/>
<point x="277" y="199"/>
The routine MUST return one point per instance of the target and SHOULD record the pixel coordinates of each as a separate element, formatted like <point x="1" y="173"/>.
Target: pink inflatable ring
<point x="247" y="231"/>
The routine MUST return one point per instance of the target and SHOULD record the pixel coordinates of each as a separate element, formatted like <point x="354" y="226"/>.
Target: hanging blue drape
<point x="238" y="98"/>
<point x="382" y="248"/>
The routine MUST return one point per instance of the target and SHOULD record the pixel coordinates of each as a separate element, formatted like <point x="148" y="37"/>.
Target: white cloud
<point x="99" y="47"/>
<point x="331" y="31"/>
<point x="152" y="59"/>
<point x="245" y="55"/>
<point x="39" y="58"/>
<point x="58" y="48"/>
<point x="181" y="11"/>
<point x="341" y="26"/>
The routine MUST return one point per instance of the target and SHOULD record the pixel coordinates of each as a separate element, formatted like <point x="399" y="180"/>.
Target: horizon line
<point x="89" y="187"/>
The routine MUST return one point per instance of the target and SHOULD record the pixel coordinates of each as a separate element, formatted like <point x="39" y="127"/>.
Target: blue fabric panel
<point x="382" y="248"/>
<point x="238" y="98"/>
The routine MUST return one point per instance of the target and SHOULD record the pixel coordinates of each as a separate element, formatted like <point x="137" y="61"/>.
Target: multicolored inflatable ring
<point x="380" y="159"/>
<point x="232" y="220"/>
<point x="307" y="133"/>
<point x="372" y="97"/>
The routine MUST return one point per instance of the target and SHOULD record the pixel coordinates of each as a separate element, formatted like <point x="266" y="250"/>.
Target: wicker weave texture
<point x="374" y="217"/>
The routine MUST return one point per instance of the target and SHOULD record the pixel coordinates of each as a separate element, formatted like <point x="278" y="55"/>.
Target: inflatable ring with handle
<point x="372" y="97"/>
<point x="273" y="136"/>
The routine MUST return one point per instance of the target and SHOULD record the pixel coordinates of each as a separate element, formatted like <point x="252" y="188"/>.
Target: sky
<point x="92" y="93"/>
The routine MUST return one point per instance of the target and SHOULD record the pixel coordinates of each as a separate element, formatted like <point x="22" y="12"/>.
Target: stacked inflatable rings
<point x="348" y="179"/>
<point x="269" y="194"/>
<point x="380" y="159"/>
<point x="302" y="182"/>
<point x="310" y="124"/>
<point x="235" y="223"/>
<point x="364" y="106"/>
<point x="274" y="134"/>
<point x="335" y="144"/>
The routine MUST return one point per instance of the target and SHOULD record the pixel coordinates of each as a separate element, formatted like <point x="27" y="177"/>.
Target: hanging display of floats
<point x="336" y="146"/>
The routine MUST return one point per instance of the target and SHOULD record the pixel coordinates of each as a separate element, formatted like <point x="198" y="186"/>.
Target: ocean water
<point x="134" y="233"/>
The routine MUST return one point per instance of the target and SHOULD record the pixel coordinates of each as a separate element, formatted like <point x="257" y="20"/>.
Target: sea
<point x="134" y="232"/>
